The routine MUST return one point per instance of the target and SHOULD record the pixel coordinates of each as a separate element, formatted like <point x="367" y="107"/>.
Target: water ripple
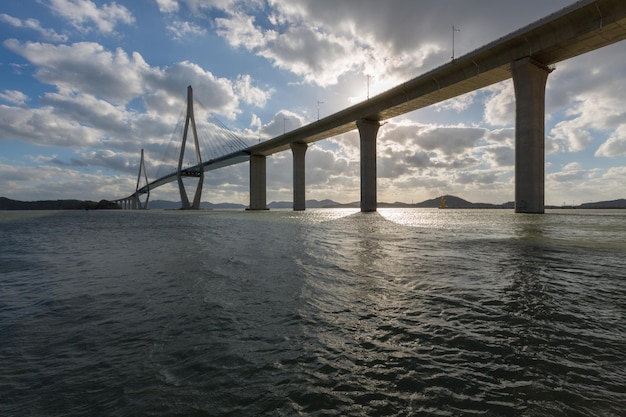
<point x="317" y="313"/>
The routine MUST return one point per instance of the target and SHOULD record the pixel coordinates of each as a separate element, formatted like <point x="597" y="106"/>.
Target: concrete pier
<point x="368" y="131"/>
<point x="258" y="182"/>
<point x="529" y="80"/>
<point x="299" y="191"/>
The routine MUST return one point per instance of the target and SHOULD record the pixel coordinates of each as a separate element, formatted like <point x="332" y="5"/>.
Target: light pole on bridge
<point x="454" y="30"/>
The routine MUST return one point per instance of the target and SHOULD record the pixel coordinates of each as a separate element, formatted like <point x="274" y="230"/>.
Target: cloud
<point x="42" y="126"/>
<point x="164" y="87"/>
<point x="500" y="104"/>
<point x="250" y="94"/>
<point x="458" y="104"/>
<point x="182" y="30"/>
<point x="88" y="110"/>
<point x="569" y="172"/>
<point x="97" y="92"/>
<point x="239" y="30"/>
<point x="475" y="177"/>
<point x="501" y="156"/>
<point x="50" y="182"/>
<point x="449" y="140"/>
<point x="589" y="99"/>
<point x="571" y="135"/>
<point x="85" y="14"/>
<point x="591" y="113"/>
<point x="312" y="50"/>
<point x="283" y="121"/>
<point x="167" y="6"/>
<point x="14" y="97"/>
<point x="86" y="67"/>
<point x="615" y="144"/>
<point x="47" y="34"/>
<point x="321" y="44"/>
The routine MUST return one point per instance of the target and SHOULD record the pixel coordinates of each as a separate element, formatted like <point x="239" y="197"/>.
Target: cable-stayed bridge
<point x="223" y="147"/>
<point x="527" y="55"/>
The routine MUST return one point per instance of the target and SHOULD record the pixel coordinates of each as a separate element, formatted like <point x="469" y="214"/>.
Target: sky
<point x="85" y="85"/>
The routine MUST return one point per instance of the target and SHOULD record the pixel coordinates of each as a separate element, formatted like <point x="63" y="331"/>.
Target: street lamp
<point x="454" y="30"/>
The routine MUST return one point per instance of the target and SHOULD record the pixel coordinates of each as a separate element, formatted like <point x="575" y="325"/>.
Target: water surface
<point x="323" y="312"/>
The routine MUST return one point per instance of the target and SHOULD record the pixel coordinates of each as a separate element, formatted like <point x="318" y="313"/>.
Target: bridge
<point x="527" y="55"/>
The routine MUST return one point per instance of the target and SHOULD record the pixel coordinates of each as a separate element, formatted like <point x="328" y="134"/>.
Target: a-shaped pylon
<point x="196" y="173"/>
<point x="142" y="169"/>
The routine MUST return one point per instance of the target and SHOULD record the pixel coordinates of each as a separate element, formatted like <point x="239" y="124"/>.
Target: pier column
<point x="299" y="194"/>
<point x="368" y="130"/>
<point x="257" y="183"/>
<point x="529" y="80"/>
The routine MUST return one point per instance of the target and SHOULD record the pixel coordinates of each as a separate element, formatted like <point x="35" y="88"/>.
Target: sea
<point x="326" y="312"/>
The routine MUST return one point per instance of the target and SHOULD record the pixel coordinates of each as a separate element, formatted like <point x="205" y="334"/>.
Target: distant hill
<point x="309" y="204"/>
<point x="175" y="205"/>
<point x="452" y="202"/>
<point x="613" y="204"/>
<point x="8" y="204"/>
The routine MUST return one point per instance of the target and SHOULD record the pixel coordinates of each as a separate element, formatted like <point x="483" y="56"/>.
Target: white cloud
<point x="87" y="67"/>
<point x="83" y="13"/>
<point x="164" y="89"/>
<point x="167" y="6"/>
<point x="89" y="111"/>
<point x="47" y="34"/>
<point x="571" y="135"/>
<point x="239" y="30"/>
<point x="458" y="104"/>
<point x="49" y="182"/>
<point x="591" y="112"/>
<point x="250" y="94"/>
<point x="14" y="97"/>
<point x="42" y="126"/>
<point x="569" y="172"/>
<point x="182" y="29"/>
<point x="500" y="105"/>
<point x="615" y="145"/>
<point x="117" y="77"/>
<point x="283" y="121"/>
<point x="314" y="51"/>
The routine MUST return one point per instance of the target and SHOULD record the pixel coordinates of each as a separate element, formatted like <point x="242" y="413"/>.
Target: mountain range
<point x="8" y="204"/>
<point x="451" y="201"/>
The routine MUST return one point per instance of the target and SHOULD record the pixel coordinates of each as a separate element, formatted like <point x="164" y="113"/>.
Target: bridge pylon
<point x="180" y="173"/>
<point x="142" y="169"/>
